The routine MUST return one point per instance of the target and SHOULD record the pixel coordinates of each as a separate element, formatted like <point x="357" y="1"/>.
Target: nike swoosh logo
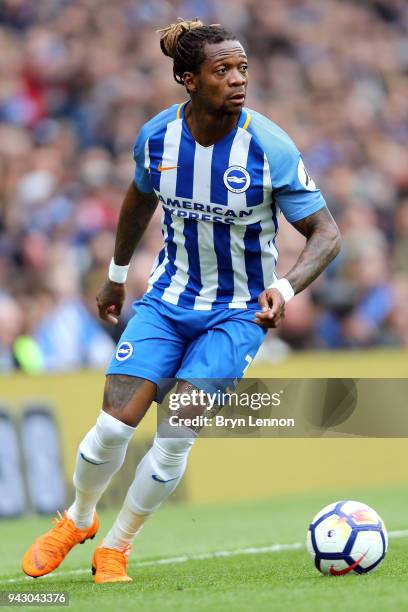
<point x="346" y="570"/>
<point x="37" y="562"/>
<point x="93" y="462"/>
<point x="163" y="168"/>
<point x="157" y="479"/>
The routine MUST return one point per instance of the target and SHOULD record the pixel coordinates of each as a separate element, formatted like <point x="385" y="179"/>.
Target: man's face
<point x="222" y="81"/>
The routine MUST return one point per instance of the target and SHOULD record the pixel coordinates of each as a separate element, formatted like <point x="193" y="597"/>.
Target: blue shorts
<point x="163" y="341"/>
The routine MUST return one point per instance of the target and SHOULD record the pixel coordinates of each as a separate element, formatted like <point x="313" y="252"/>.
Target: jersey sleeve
<point x="293" y="188"/>
<point x="142" y="176"/>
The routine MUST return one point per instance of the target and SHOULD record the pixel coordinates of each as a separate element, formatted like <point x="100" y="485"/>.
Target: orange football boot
<point x="109" y="565"/>
<point x="50" y="549"/>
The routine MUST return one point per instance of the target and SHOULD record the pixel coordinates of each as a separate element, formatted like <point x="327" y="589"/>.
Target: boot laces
<point x="62" y="535"/>
<point x="113" y="562"/>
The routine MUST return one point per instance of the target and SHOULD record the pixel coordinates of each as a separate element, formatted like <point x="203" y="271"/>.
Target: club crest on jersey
<point x="236" y="179"/>
<point x="124" y="351"/>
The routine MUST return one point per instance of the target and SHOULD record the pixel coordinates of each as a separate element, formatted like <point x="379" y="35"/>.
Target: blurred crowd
<point x="79" y="77"/>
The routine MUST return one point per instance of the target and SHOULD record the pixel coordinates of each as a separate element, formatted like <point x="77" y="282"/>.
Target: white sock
<point x="157" y="475"/>
<point x="125" y="528"/>
<point x="100" y="455"/>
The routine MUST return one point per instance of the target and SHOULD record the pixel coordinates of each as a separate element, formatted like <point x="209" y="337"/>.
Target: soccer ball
<point x="347" y="537"/>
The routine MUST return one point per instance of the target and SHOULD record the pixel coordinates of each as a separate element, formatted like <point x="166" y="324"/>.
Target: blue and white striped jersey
<point x="220" y="207"/>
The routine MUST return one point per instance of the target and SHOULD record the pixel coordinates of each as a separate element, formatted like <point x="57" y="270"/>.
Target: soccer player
<point x="222" y="173"/>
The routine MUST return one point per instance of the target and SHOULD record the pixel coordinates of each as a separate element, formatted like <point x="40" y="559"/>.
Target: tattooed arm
<point x="322" y="245"/>
<point x="135" y="214"/>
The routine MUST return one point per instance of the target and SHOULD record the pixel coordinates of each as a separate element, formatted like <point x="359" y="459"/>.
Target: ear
<point x="190" y="82"/>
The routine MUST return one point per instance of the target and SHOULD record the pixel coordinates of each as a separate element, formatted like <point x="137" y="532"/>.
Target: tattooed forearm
<point x="135" y="215"/>
<point x="322" y="245"/>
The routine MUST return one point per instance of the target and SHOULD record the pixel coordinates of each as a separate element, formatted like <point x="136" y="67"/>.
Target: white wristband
<point x="118" y="274"/>
<point x="284" y="287"/>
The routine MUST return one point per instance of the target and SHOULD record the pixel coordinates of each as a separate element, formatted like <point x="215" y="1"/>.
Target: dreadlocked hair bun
<point x="172" y="34"/>
<point x="185" y="42"/>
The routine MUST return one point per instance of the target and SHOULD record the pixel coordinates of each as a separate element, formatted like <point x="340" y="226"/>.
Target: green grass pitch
<point x="207" y="558"/>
